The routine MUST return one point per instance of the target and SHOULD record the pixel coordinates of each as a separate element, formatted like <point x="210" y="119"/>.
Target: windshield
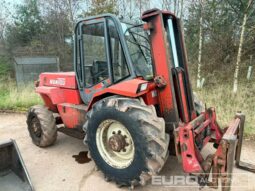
<point x="139" y="49"/>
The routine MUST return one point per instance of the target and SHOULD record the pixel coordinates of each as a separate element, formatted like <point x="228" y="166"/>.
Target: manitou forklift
<point x="131" y="100"/>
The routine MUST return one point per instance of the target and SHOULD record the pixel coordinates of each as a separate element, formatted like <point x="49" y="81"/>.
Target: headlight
<point x="142" y="87"/>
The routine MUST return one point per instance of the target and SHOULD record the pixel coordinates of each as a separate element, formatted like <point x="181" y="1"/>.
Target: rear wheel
<point x="41" y="126"/>
<point x="126" y="140"/>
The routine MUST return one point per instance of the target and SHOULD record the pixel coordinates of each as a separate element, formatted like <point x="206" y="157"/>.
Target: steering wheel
<point x="95" y="76"/>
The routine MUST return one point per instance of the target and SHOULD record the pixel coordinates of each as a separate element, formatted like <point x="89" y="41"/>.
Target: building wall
<point x="28" y="69"/>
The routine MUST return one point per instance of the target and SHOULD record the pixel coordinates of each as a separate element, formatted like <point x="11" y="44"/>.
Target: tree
<point x="59" y="23"/>
<point x="97" y="7"/>
<point x="127" y="9"/>
<point x="176" y="6"/>
<point x="132" y="9"/>
<point x="27" y="26"/>
<point x="73" y="7"/>
<point x="199" y="85"/>
<point x="181" y="14"/>
<point x="6" y="66"/>
<point x="220" y="38"/>
<point x="4" y="16"/>
<point x="238" y="59"/>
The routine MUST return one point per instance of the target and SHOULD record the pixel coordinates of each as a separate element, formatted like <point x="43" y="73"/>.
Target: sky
<point x="11" y="4"/>
<point x="14" y="1"/>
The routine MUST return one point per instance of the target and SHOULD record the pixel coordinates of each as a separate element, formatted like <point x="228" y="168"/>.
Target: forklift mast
<point x="170" y="66"/>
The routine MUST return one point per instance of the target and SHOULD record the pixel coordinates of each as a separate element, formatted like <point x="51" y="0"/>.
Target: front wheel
<point x="41" y="126"/>
<point x="126" y="140"/>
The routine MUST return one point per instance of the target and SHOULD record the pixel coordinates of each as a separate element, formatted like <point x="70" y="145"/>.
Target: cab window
<point x="118" y="60"/>
<point x="94" y="51"/>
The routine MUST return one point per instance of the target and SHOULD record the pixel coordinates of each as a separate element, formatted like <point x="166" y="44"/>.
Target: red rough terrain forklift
<point x="131" y="101"/>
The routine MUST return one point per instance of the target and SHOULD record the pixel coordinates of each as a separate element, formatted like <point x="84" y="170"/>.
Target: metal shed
<point x="27" y="69"/>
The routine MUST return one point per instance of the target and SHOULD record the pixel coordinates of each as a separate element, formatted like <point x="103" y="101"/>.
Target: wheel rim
<point x="115" y="144"/>
<point x="36" y="127"/>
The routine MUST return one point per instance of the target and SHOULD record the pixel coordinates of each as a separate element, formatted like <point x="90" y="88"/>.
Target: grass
<point x="220" y="97"/>
<point x="227" y="104"/>
<point x="12" y="98"/>
<point x="5" y="65"/>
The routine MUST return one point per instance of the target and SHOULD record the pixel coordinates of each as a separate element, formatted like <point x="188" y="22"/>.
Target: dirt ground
<point x="54" y="168"/>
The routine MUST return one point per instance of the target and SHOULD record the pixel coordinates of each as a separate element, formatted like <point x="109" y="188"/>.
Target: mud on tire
<point x="146" y="129"/>
<point x="41" y="126"/>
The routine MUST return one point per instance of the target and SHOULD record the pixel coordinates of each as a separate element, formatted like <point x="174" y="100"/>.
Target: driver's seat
<point x="99" y="71"/>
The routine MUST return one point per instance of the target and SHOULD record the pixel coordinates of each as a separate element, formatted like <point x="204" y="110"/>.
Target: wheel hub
<point x="36" y="128"/>
<point x="117" y="142"/>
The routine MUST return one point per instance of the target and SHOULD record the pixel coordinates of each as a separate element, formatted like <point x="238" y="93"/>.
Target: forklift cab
<point x="108" y="51"/>
<point x="100" y="59"/>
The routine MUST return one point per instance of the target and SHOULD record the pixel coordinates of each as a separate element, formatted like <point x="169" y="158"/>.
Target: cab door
<point x="100" y="56"/>
<point x="93" y="69"/>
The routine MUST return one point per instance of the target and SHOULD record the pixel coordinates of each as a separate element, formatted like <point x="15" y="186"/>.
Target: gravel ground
<point x="54" y="168"/>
